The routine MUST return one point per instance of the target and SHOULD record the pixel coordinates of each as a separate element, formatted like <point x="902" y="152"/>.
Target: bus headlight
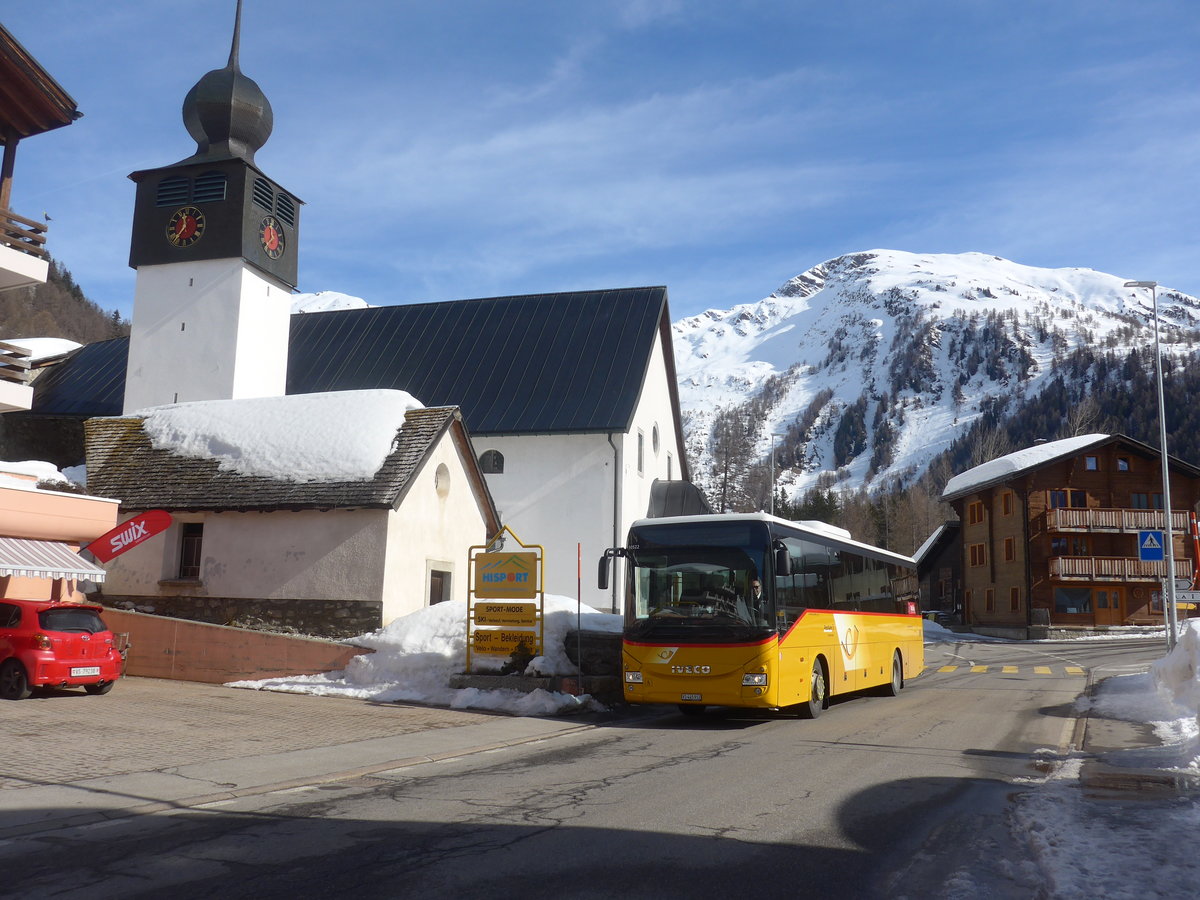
<point x="633" y="677"/>
<point x="754" y="679"/>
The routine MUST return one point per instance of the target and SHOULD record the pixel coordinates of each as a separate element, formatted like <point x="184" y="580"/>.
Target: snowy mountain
<point x="868" y="366"/>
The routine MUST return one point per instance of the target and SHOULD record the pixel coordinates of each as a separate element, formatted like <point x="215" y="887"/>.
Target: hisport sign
<point x="506" y="576"/>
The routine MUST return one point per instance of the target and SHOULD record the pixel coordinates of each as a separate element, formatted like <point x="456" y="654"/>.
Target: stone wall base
<point x="336" y="619"/>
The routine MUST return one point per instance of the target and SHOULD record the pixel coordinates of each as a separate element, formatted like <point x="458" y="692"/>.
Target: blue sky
<point x="467" y="149"/>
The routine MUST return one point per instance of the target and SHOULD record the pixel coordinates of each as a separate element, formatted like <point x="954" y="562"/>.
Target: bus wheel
<point x="691" y="709"/>
<point x="892" y="688"/>
<point x="818" y="693"/>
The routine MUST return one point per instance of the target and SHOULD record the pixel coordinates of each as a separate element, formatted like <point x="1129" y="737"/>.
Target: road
<point x="871" y="799"/>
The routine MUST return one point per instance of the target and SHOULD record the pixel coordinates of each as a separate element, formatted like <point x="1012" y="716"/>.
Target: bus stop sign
<point x="1150" y="546"/>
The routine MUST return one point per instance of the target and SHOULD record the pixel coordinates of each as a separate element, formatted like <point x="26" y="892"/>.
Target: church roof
<point x="535" y="364"/>
<point x="123" y="463"/>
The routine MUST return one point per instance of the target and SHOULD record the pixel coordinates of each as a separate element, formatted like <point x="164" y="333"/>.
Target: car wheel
<point x="818" y="692"/>
<point x="14" y="685"/>
<point x="102" y="688"/>
<point x="892" y="688"/>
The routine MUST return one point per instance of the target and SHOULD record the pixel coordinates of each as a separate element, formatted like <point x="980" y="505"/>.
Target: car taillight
<point x="41" y="642"/>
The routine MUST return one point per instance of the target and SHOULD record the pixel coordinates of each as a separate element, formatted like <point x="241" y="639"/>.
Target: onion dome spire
<point x="227" y="113"/>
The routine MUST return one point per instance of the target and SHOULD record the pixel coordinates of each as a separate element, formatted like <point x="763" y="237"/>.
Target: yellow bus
<point x="749" y="610"/>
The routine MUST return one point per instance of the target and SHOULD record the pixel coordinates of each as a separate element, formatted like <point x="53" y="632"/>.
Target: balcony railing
<point x="14" y="364"/>
<point x="1113" y="568"/>
<point x="22" y="234"/>
<point x="1126" y="520"/>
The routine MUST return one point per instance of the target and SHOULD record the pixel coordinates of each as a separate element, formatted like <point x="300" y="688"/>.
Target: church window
<point x="263" y="195"/>
<point x="210" y="187"/>
<point x="492" y="462"/>
<point x="172" y="191"/>
<point x="285" y="208"/>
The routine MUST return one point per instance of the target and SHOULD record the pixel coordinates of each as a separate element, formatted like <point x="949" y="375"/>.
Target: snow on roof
<point x="1003" y="467"/>
<point x="336" y="436"/>
<point x="323" y="301"/>
<point x="919" y="556"/>
<point x="43" y="348"/>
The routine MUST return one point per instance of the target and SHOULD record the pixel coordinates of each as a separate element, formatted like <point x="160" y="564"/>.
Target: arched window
<point x="491" y="462"/>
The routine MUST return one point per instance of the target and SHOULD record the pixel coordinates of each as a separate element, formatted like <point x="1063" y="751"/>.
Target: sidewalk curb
<point x="91" y="818"/>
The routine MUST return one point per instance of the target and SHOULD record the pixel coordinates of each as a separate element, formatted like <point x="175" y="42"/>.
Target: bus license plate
<point x="84" y="671"/>
<point x="693" y="697"/>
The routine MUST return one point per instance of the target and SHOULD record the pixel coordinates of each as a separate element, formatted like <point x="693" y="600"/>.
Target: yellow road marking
<point x="1042" y="670"/>
<point x="978" y="668"/>
<point x="947" y="668"/>
<point x="1074" y="670"/>
<point x="1009" y="670"/>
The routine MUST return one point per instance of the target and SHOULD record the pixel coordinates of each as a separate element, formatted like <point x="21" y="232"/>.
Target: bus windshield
<point x="698" y="582"/>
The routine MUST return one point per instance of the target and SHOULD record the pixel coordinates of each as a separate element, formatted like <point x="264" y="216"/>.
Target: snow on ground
<point x="416" y="655"/>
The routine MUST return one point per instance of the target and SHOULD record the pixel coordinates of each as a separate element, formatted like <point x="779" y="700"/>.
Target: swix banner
<point x="129" y="534"/>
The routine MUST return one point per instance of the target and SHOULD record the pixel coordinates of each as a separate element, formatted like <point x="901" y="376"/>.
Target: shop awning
<point x="44" y="559"/>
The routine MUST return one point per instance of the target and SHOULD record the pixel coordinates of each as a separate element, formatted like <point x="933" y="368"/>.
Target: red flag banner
<point x="129" y="534"/>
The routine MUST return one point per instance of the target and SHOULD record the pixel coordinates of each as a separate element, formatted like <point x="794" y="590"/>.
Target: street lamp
<point x="774" y="434"/>
<point x="1169" y="538"/>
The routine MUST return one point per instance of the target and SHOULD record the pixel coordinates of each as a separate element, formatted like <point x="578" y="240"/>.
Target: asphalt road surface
<point x="861" y="802"/>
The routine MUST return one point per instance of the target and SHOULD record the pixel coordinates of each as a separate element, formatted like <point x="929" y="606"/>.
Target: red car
<point x="47" y="643"/>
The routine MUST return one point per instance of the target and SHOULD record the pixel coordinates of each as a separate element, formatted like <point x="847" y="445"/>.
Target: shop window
<point x="978" y="554"/>
<point x="190" y="545"/>
<point x="1072" y="600"/>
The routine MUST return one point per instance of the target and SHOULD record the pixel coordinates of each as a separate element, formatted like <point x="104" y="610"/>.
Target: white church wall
<point x="184" y="317"/>
<point x="439" y="520"/>
<point x="557" y="490"/>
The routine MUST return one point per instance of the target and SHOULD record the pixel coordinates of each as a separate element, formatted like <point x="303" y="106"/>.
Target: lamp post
<point x="774" y="434"/>
<point x="1168" y="536"/>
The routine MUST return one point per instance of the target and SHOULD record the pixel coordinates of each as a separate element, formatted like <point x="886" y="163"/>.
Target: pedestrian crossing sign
<point x="1150" y="546"/>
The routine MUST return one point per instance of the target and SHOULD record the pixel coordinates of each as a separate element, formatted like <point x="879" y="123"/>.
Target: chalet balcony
<point x="23" y="257"/>
<point x="16" y="393"/>
<point x="1115" y="520"/>
<point x="1112" y="568"/>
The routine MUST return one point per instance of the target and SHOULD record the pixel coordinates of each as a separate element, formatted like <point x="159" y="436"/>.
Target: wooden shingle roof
<point x="122" y="463"/>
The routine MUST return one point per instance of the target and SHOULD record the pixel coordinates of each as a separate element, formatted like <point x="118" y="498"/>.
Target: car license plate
<point x="84" y="671"/>
<point x="693" y="697"/>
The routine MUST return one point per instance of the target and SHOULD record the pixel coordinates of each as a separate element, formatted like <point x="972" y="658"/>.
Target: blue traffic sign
<point x="1150" y="546"/>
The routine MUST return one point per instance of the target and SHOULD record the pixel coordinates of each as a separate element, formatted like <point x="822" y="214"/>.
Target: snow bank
<point x="1177" y="677"/>
<point x="416" y="655"/>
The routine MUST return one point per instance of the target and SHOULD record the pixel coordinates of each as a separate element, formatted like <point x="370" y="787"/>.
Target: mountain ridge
<point x="868" y="366"/>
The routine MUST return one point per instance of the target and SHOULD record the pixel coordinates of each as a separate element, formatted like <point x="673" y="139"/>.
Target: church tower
<point x="214" y="244"/>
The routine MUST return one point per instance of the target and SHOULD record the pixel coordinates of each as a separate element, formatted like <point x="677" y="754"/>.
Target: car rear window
<point x="75" y="621"/>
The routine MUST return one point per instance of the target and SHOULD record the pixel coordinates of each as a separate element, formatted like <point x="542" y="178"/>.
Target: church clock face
<point x="186" y="226"/>
<point x="270" y="235"/>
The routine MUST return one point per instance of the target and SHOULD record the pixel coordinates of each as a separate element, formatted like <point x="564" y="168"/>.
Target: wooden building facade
<point x="1050" y="535"/>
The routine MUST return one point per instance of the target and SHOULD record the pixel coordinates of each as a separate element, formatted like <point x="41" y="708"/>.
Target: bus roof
<point x="826" y="533"/>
